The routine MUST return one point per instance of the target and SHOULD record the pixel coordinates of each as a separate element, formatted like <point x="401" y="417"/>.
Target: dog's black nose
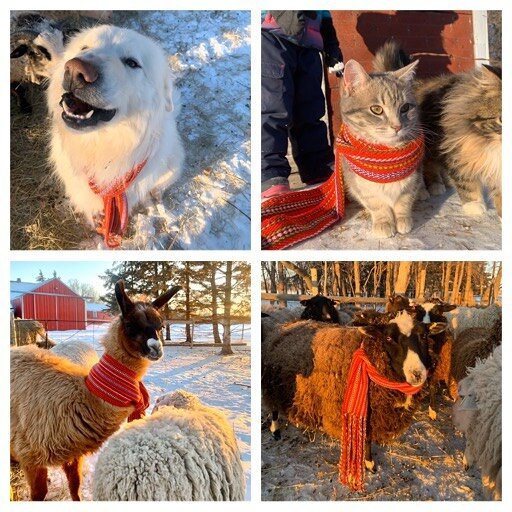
<point x="78" y="72"/>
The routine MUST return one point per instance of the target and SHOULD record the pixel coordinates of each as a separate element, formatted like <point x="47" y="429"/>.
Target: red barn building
<point x="51" y="302"/>
<point x="97" y="313"/>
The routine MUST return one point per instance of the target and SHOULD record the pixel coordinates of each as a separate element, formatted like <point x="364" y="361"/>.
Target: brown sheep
<point x="55" y="417"/>
<point x="305" y="366"/>
<point x="469" y="346"/>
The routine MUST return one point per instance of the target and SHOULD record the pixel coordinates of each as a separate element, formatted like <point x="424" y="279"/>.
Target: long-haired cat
<point x="380" y="109"/>
<point x="461" y="115"/>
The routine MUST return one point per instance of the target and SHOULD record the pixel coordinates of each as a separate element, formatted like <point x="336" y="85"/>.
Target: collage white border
<point x="255" y="256"/>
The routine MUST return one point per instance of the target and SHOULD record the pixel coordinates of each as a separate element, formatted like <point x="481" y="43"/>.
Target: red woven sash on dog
<point x="354" y="413"/>
<point x="115" y="383"/>
<point x="115" y="205"/>
<point x="378" y="163"/>
<point x="297" y="216"/>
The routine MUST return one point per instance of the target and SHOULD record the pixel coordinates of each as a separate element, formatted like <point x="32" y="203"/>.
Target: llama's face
<point x="142" y="323"/>
<point x="142" y="329"/>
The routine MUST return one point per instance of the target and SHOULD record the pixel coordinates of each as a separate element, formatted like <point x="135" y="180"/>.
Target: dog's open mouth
<point x="78" y="114"/>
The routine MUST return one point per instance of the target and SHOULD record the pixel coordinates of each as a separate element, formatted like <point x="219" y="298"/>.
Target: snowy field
<point x="219" y="381"/>
<point x="209" y="208"/>
<point x="424" y="464"/>
<point x="439" y="223"/>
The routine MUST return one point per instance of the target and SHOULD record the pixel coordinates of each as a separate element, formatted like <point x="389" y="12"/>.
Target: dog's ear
<point x="168" y="92"/>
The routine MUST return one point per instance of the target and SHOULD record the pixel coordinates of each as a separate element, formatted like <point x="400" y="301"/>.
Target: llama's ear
<point x="165" y="297"/>
<point x="354" y="76"/>
<point x="125" y="303"/>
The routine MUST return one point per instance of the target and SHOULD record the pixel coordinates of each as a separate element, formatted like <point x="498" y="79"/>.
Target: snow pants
<point x="292" y="105"/>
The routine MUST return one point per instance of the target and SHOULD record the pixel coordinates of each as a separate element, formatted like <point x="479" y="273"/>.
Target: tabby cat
<point x="380" y="108"/>
<point x="461" y="115"/>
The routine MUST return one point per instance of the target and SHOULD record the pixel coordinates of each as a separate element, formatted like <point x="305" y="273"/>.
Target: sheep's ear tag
<point x="165" y="297"/>
<point x="437" y="327"/>
<point x="125" y="303"/>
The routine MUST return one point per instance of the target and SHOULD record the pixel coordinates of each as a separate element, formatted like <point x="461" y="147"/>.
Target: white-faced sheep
<point x="78" y="352"/>
<point x="184" y="451"/>
<point x="305" y="369"/>
<point x="61" y="411"/>
<point x="464" y="318"/>
<point x="478" y="415"/>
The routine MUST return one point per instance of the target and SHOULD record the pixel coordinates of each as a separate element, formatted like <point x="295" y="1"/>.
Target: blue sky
<point x="84" y="271"/>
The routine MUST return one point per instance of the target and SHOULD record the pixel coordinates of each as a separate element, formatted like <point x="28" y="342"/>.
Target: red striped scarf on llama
<point x="354" y="415"/>
<point x="115" y="205"/>
<point x="379" y="163"/>
<point x="115" y="383"/>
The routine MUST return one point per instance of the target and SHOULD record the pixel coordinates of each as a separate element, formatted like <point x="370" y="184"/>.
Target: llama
<point x="61" y="411"/>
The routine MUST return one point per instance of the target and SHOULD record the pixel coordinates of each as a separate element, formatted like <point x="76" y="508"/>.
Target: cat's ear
<point x="354" y="76"/>
<point x="407" y="73"/>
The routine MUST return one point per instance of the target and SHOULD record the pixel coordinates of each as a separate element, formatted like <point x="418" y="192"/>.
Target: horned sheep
<point x="61" y="411"/>
<point x="184" y="451"/>
<point x="478" y="415"/>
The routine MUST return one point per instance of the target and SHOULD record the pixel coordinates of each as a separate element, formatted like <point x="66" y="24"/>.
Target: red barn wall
<point x="447" y="34"/>
<point x="56" y="306"/>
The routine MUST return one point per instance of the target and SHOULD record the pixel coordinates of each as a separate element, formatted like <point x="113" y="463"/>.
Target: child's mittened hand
<point x="337" y="69"/>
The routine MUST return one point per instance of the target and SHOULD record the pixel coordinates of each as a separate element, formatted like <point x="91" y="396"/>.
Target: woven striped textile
<point x="115" y="383"/>
<point x="115" y="206"/>
<point x="291" y="218"/>
<point x="378" y="163"/>
<point x="354" y="415"/>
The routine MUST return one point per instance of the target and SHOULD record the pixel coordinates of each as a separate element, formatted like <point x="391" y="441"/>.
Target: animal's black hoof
<point x="277" y="434"/>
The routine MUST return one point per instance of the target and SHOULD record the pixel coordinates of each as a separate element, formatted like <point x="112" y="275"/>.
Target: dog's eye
<point x="131" y="63"/>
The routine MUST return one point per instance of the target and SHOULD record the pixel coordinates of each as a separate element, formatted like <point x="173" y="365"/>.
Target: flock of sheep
<point x="184" y="450"/>
<point x="305" y="364"/>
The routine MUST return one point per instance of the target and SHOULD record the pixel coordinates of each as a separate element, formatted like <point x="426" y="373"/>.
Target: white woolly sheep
<point x="184" y="451"/>
<point x="478" y="414"/>
<point x="78" y="352"/>
<point x="464" y="318"/>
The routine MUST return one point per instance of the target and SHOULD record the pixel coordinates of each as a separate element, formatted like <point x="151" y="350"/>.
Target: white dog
<point x="114" y="135"/>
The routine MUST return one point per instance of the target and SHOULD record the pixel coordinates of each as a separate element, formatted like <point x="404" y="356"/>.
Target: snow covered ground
<point x="219" y="381"/>
<point x="209" y="207"/>
<point x="424" y="464"/>
<point x="439" y="223"/>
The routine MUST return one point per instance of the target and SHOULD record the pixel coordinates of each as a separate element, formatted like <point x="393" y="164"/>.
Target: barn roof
<point x="19" y="288"/>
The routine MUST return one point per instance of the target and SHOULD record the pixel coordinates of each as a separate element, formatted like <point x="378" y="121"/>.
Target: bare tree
<point x="226" y="339"/>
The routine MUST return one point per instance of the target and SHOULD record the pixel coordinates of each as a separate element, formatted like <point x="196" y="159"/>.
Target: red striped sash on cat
<point x="376" y="162"/>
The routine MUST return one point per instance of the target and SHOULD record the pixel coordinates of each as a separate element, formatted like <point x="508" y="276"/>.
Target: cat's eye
<point x="84" y="48"/>
<point x="405" y="108"/>
<point x="377" y="109"/>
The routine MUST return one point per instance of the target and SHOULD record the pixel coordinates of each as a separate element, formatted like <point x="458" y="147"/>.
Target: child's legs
<point x="278" y="60"/>
<point x="308" y="133"/>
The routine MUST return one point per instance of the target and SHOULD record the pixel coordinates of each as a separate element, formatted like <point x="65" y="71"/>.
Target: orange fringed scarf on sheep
<point x="354" y="414"/>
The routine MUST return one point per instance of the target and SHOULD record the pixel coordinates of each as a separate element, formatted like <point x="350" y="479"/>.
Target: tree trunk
<point x="469" y="298"/>
<point x="215" y="298"/>
<point x="226" y="339"/>
<point x="421" y="280"/>
<point x="187" y="302"/>
<point x="403" y="276"/>
<point x="446" y="284"/>
<point x="281" y="283"/>
<point x="357" y="279"/>
<point x="389" y="278"/>
<point x="294" y="268"/>
<point x="457" y="281"/>
<point x="496" y="285"/>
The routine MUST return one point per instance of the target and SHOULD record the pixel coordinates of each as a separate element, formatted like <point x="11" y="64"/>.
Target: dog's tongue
<point x="75" y="105"/>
